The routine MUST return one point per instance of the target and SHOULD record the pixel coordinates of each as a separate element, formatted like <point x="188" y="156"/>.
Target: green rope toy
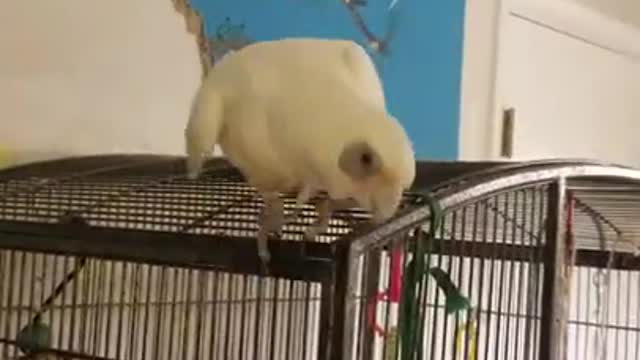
<point x="412" y="325"/>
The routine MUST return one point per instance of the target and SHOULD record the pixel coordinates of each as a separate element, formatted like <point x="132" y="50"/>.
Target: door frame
<point x="565" y="16"/>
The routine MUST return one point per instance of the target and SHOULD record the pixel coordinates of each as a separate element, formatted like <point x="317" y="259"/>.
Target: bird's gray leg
<point x="320" y="225"/>
<point x="276" y="217"/>
<point x="270" y="220"/>
<point x="325" y="209"/>
<point x="303" y="197"/>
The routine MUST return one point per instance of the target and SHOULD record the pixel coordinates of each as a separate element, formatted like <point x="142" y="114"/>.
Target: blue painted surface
<point x="421" y="75"/>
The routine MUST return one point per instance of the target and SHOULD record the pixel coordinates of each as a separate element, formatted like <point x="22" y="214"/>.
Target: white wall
<point x="625" y="10"/>
<point x="477" y="137"/>
<point x="478" y="76"/>
<point x="94" y="76"/>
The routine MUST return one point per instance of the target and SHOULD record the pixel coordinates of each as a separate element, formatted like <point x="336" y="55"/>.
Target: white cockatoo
<point x="303" y="116"/>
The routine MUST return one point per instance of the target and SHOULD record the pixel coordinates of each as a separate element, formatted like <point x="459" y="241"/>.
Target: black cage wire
<point x="122" y="257"/>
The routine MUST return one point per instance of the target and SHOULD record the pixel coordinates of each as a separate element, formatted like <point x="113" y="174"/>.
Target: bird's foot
<point x="263" y="251"/>
<point x="265" y="260"/>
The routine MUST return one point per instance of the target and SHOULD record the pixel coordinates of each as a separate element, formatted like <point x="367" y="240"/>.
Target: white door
<point x="572" y="78"/>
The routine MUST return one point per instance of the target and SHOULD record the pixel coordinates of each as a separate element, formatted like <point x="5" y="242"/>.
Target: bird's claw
<point x="264" y="266"/>
<point x="263" y="250"/>
<point x="265" y="255"/>
<point x="265" y="259"/>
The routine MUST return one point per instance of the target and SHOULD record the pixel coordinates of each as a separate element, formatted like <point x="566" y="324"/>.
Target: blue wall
<point x="421" y="74"/>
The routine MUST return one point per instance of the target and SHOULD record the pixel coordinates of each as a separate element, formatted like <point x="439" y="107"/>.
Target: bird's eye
<point x="365" y="158"/>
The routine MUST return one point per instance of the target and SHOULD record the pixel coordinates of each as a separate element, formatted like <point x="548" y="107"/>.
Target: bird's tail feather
<point x="203" y="130"/>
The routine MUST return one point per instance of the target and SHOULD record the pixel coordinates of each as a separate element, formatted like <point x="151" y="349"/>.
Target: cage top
<point x="150" y="197"/>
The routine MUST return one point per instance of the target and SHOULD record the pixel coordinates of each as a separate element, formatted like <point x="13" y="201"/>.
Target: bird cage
<point x="123" y="257"/>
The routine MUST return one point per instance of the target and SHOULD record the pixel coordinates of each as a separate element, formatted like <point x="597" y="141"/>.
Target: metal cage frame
<point x="452" y="185"/>
<point x="494" y="178"/>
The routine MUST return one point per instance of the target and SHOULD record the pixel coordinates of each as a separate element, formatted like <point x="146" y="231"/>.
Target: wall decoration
<point x="195" y="26"/>
<point x="416" y="44"/>
<point x="228" y="37"/>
